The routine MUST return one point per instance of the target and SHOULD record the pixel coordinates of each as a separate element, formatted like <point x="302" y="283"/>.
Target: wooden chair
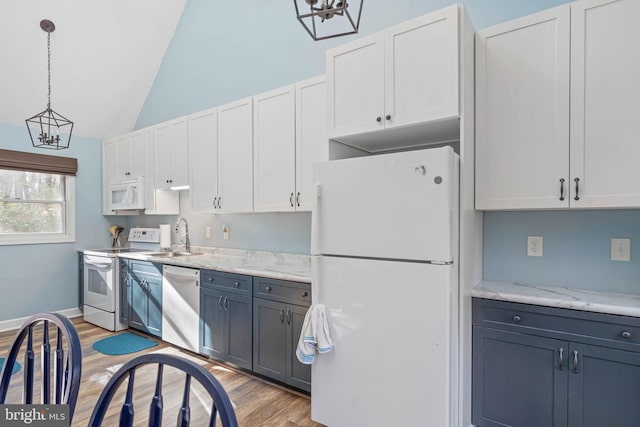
<point x="67" y="362"/>
<point x="221" y="404"/>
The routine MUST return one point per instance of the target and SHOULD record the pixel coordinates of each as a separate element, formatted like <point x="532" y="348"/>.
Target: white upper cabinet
<point x="203" y="160"/>
<point x="274" y="139"/>
<point x="605" y="104"/>
<point x="130" y="155"/>
<point x="557" y="104"/>
<point x="156" y="201"/>
<point x="403" y="76"/>
<point x="312" y="145"/>
<point x="522" y="112"/>
<point x="235" y="157"/>
<point x="171" y="157"/>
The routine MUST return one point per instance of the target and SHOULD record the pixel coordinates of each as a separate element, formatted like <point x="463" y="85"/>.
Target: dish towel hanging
<point x="314" y="336"/>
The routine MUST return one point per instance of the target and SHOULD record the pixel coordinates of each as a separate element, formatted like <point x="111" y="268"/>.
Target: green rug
<point x="124" y="343"/>
<point x="16" y="366"/>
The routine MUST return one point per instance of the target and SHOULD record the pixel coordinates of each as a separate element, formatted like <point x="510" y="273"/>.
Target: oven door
<point x="99" y="282"/>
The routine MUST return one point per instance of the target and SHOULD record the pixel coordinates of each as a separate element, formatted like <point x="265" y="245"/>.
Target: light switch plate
<point x="620" y="249"/>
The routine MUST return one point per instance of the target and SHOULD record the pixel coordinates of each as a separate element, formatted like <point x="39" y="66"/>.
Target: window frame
<point x="69" y="221"/>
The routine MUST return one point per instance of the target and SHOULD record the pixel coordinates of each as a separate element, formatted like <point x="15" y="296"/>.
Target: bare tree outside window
<point x="31" y="202"/>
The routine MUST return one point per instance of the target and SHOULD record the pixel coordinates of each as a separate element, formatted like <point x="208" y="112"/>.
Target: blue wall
<point x="37" y="278"/>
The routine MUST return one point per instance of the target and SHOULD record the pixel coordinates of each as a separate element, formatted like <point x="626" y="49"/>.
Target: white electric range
<point x="104" y="301"/>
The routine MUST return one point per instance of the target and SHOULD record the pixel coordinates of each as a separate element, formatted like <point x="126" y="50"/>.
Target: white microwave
<point x="127" y="194"/>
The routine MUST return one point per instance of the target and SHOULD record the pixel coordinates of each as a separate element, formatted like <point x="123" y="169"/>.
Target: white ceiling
<point x="105" y="55"/>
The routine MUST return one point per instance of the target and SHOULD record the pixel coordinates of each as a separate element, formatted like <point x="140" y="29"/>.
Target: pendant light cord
<point x="49" y="69"/>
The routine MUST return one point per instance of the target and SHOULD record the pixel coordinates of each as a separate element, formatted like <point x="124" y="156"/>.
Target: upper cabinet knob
<point x="378" y="119"/>
<point x="388" y="117"/>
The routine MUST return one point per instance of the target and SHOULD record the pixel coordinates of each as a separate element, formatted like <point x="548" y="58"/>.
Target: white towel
<point x="314" y="336"/>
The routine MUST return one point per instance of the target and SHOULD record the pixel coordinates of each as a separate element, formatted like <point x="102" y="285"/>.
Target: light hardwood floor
<point x="257" y="402"/>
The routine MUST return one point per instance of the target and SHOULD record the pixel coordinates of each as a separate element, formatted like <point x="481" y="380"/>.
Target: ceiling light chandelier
<point x="323" y="11"/>
<point x="48" y="123"/>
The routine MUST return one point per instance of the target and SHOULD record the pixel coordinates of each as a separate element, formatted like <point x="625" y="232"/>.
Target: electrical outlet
<point x="207" y="232"/>
<point x="534" y="245"/>
<point x="225" y="232"/>
<point x="620" y="249"/>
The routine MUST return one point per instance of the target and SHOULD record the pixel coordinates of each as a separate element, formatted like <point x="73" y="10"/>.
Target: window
<point x="36" y="205"/>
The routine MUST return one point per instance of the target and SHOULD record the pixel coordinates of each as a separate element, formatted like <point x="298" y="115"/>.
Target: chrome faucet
<point x="186" y="242"/>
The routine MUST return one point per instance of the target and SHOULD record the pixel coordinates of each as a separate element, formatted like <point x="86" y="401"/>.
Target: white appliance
<point x="385" y="265"/>
<point x="181" y="306"/>
<point x="102" y="294"/>
<point x="127" y="194"/>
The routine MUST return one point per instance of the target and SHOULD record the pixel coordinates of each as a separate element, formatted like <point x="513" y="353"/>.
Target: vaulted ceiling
<point x="105" y="55"/>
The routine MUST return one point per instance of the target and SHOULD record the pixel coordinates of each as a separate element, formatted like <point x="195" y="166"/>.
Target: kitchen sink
<point x="173" y="254"/>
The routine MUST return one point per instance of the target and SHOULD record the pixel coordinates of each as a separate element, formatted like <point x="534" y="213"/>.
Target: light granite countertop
<point x="274" y="265"/>
<point x="576" y="299"/>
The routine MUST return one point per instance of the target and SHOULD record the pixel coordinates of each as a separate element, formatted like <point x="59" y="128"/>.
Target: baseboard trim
<point x="11" y="324"/>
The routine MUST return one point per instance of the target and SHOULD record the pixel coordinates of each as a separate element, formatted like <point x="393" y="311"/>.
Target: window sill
<point x="35" y="240"/>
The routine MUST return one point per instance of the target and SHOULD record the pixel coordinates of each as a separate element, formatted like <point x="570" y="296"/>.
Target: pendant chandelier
<point x="325" y="19"/>
<point x="48" y="125"/>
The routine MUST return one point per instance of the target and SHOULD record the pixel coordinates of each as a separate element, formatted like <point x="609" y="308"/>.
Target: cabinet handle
<point x="388" y="117"/>
<point x="267" y="288"/>
<point x="305" y="294"/>
<point x="561" y="358"/>
<point x="378" y="119"/>
<point x="291" y="199"/>
<point x="625" y="334"/>
<point x="289" y="317"/>
<point x="219" y="202"/>
<point x="561" y="189"/>
<point x="298" y="199"/>
<point x="209" y="279"/>
<point x="236" y="284"/>
<point x="220" y="303"/>
<point x="214" y="202"/>
<point x="516" y="318"/>
<point x="577" y="180"/>
<point x="575" y="361"/>
<point x="282" y="314"/>
<point x="225" y="303"/>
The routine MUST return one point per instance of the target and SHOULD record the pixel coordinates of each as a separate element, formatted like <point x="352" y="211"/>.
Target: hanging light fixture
<point x="48" y="123"/>
<point x="317" y="17"/>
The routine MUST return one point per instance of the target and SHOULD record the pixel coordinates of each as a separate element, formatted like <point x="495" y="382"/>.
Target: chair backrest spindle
<point x="45" y="364"/>
<point x="156" y="407"/>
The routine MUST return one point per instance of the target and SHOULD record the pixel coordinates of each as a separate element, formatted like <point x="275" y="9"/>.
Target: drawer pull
<point x="561" y="358"/>
<point x="210" y="279"/>
<point x="236" y="284"/>
<point x="289" y="316"/>
<point x="220" y="303"/>
<point x="282" y="315"/>
<point x="625" y="334"/>
<point x="267" y="288"/>
<point x="305" y="294"/>
<point x="575" y="361"/>
<point x="516" y="318"/>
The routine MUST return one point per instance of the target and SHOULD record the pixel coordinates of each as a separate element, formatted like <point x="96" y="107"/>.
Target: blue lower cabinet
<point x="144" y="281"/>
<point x="543" y="366"/>
<point x="226" y="318"/>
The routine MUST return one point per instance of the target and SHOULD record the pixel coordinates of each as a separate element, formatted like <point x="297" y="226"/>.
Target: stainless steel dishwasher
<point x="181" y="306"/>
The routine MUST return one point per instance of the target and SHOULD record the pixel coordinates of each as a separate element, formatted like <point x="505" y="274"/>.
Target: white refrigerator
<point x="384" y="251"/>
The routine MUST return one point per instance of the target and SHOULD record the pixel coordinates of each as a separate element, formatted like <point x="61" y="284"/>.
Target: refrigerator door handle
<point x="315" y="222"/>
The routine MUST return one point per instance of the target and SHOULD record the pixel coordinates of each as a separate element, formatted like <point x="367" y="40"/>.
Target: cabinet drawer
<point x="574" y="325"/>
<point x="282" y="290"/>
<point x="146" y="267"/>
<point x="229" y="282"/>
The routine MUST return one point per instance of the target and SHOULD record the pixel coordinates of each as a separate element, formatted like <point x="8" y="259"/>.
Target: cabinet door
<point x="124" y="292"/>
<point x="172" y="157"/>
<point x="312" y="145"/>
<point x="518" y="379"/>
<point x="123" y="157"/>
<point x="203" y="160"/>
<point x="154" y="306"/>
<point x="269" y="339"/>
<point x="355" y="86"/>
<point x="274" y="150"/>
<point x="605" y="100"/>
<point x="522" y="112"/>
<point x="421" y="69"/>
<point x="212" y="323"/>
<point x="157" y="201"/>
<point x="604" y="385"/>
<point x="109" y="172"/>
<point x="298" y="374"/>
<point x="138" y="153"/>
<point x="138" y="306"/>
<point x="238" y="330"/>
<point x="235" y="157"/>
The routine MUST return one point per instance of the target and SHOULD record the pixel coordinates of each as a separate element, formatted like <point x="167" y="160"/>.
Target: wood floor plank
<point x="257" y="402"/>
